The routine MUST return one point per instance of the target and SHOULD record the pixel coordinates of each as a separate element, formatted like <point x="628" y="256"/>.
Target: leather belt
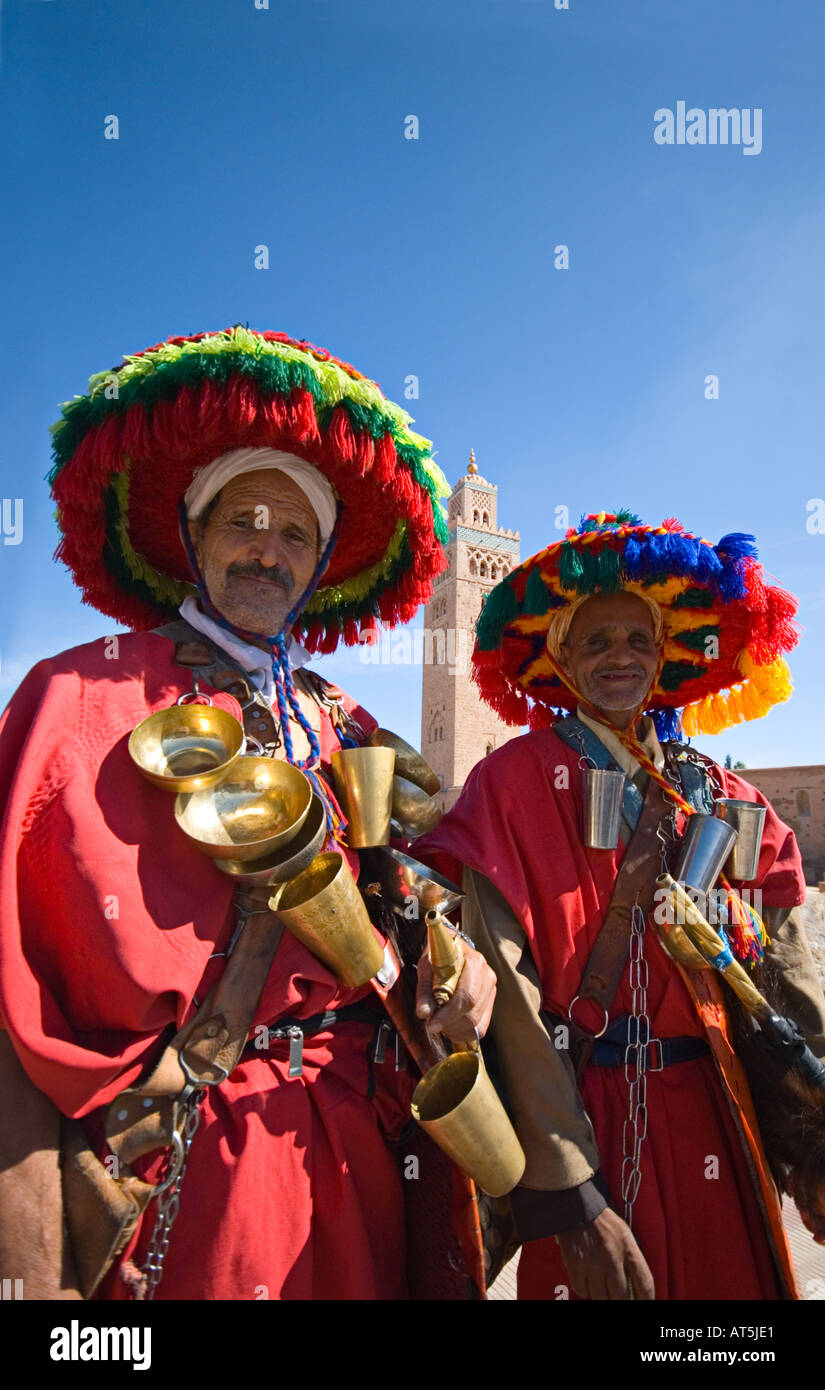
<point x="296" y="1030"/>
<point x="609" y="1050"/>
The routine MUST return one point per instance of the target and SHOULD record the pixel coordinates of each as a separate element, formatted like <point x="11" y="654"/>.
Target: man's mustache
<point x="276" y="575"/>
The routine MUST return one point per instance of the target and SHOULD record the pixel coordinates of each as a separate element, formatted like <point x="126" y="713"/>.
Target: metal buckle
<point x="655" y="1043"/>
<point x="177" y="1163"/>
<point x="571" y="1019"/>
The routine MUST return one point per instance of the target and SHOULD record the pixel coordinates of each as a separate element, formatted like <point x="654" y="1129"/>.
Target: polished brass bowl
<point x="257" y="809"/>
<point x="187" y="748"/>
<point x="287" y="862"/>
<point x="408" y="761"/>
<point x="413" y="809"/>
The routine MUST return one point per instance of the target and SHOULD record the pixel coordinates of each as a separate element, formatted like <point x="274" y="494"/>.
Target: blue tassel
<point x="666" y="723"/>
<point x="738" y="545"/>
<point x="632" y="559"/>
<point x="730" y="583"/>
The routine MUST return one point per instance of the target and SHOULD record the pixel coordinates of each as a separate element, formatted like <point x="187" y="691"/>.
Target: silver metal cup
<point x="748" y="820"/>
<point x="603" y="791"/>
<point x="706" y="846"/>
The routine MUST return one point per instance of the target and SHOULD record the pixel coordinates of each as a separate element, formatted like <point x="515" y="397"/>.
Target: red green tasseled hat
<point x="725" y="629"/>
<point x="126" y="452"/>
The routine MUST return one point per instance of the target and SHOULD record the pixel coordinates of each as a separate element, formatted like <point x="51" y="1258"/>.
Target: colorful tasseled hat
<point x="705" y="592"/>
<point x="126" y="453"/>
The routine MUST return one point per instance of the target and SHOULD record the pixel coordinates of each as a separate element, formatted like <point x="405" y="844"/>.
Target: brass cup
<point x="187" y="748"/>
<point x="284" y="863"/>
<point x="257" y="809"/>
<point x="363" y="781"/>
<point x="324" y="909"/>
<point x="456" y="1103"/>
<point x="408" y="761"/>
<point x="413" y="809"/>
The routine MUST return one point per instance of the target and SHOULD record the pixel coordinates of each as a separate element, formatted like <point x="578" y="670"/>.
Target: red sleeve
<point x="101" y="946"/>
<point x="780" y="877"/>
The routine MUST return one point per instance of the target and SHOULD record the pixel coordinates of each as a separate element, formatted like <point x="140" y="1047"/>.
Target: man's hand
<point x="603" y="1260"/>
<point x="470" y="1007"/>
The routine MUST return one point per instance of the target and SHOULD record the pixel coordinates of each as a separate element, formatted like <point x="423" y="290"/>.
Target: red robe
<point x="517" y="822"/>
<point x="108" y="918"/>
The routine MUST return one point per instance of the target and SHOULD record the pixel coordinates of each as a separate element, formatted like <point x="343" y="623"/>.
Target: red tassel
<point x="136" y="438"/>
<point x="241" y="403"/>
<point x="108" y="443"/>
<point x="351" y="636"/>
<point x="341" y="435"/>
<point x="209" y="410"/>
<point x="314" y="636"/>
<point x="386" y="459"/>
<point x="301" y="415"/>
<point x="364" y="453"/>
<point x="273" y="414"/>
<point x="541" y="717"/>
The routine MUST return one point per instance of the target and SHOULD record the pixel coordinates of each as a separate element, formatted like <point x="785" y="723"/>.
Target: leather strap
<point x="635" y="884"/>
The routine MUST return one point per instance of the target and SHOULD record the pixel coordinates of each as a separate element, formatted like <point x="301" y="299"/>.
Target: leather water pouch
<point x="101" y="1212"/>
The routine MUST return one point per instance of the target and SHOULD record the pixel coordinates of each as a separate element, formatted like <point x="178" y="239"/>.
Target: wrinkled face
<point x="257" y="549"/>
<point x="611" y="654"/>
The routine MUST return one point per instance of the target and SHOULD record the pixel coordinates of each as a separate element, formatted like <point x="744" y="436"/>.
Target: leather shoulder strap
<point x="578" y="736"/>
<point x="635" y="884"/>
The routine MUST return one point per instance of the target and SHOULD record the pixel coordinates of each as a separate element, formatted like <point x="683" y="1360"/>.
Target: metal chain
<point x="635" y="1067"/>
<point x="168" y="1196"/>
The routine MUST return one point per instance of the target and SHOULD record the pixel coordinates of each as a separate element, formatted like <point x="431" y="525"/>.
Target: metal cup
<point x="323" y="908"/>
<point x="603" y="791"/>
<point x="706" y="846"/>
<point x="456" y="1103"/>
<point x="363" y="781"/>
<point x="748" y="820"/>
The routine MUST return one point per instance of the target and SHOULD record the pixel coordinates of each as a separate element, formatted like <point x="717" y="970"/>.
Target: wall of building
<point x="797" y="794"/>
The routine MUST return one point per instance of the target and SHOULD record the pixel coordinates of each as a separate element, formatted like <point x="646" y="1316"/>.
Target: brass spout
<point x="446" y="956"/>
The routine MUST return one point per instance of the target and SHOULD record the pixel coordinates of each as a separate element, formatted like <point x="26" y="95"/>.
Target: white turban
<point x="319" y="493"/>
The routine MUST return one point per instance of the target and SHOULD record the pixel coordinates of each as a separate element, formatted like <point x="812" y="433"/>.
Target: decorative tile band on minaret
<point x="457" y="728"/>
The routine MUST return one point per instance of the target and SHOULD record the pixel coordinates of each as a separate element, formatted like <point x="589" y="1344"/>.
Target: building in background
<point x="797" y="794"/>
<point x="457" y="728"/>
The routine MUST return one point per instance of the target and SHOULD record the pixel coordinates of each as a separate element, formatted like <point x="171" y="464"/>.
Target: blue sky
<point x="582" y="387"/>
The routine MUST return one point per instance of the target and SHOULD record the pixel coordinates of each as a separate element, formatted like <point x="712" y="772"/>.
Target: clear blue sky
<point x="582" y="387"/>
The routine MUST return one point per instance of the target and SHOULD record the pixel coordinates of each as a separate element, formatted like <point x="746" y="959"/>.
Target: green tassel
<point x="536" y="597"/>
<point x="500" y="608"/>
<point x="608" y="570"/>
<point x="571" y="569"/>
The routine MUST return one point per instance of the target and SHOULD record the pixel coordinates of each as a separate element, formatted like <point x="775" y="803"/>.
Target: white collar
<point x="253" y="659"/>
<point x="616" y="748"/>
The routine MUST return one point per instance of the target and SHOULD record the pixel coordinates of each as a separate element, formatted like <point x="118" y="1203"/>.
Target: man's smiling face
<point x="254" y="573"/>
<point x="611" y="654"/>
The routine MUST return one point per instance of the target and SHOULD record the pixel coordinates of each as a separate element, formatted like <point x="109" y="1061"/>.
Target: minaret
<point x="457" y="728"/>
